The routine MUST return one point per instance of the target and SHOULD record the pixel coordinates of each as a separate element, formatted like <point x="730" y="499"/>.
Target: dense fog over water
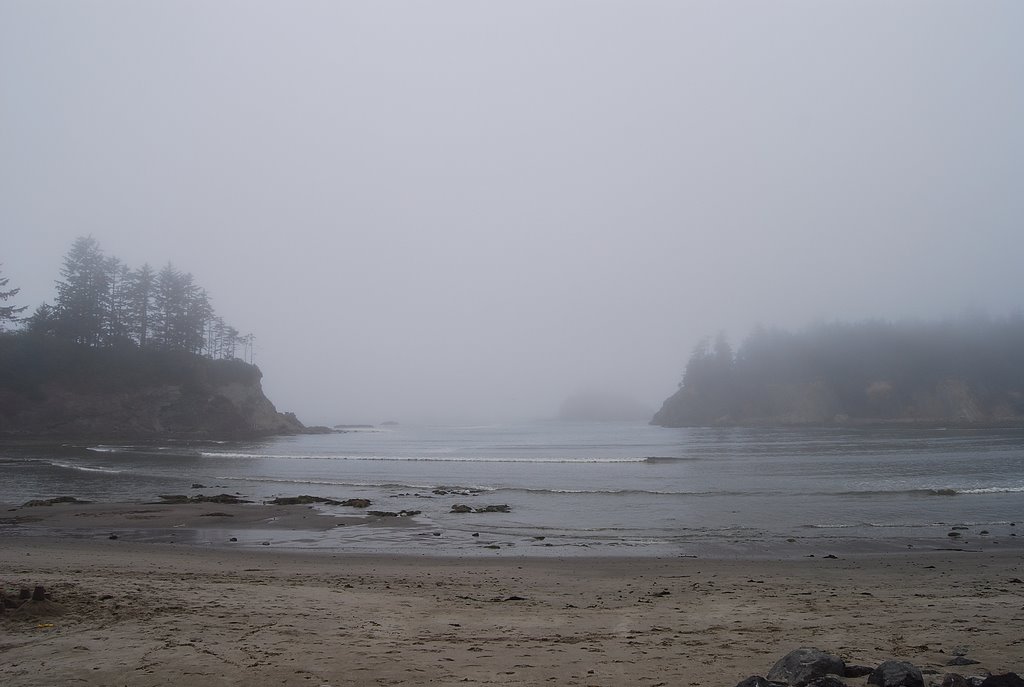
<point x="464" y="211"/>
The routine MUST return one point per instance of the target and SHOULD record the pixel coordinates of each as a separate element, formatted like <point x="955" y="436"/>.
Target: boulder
<point x="857" y="671"/>
<point x="356" y="503"/>
<point x="756" y="681"/>
<point x="802" y="666"/>
<point x="962" y="661"/>
<point x="954" y="680"/>
<point x="896" y="674"/>
<point x="827" y="681"/>
<point x="1003" y="680"/>
<point x="461" y="508"/>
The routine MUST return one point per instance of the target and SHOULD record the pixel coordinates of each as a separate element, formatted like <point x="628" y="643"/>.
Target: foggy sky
<point x="468" y="211"/>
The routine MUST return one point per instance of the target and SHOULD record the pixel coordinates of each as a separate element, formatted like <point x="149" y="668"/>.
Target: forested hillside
<point x="128" y="353"/>
<point x="101" y="302"/>
<point x="967" y="371"/>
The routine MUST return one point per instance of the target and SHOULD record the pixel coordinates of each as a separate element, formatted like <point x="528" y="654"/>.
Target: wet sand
<point x="156" y="613"/>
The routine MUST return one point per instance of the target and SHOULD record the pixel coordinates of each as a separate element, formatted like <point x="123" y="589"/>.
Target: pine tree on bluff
<point x="8" y="313"/>
<point x="141" y="291"/>
<point x="102" y="302"/>
<point x="83" y="293"/>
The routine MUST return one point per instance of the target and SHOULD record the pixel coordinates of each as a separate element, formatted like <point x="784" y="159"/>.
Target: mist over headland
<point x="471" y="211"/>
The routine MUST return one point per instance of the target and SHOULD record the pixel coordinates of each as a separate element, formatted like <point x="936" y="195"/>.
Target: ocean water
<point x="596" y="489"/>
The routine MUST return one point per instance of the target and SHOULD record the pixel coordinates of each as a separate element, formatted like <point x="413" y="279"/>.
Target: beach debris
<point x="197" y="485"/>
<point x="802" y="666"/>
<point x="112" y="536"/>
<point x="233" y="539"/>
<point x="896" y="674"/>
<point x="832" y="556"/>
<point x="475" y="534"/>
<point x="49" y="502"/>
<point x="216" y="514"/>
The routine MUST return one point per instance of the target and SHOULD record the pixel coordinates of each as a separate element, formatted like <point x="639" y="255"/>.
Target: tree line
<point x="102" y="302"/>
<point x="969" y="369"/>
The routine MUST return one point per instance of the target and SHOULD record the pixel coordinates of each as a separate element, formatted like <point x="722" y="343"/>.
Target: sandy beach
<point x="137" y="614"/>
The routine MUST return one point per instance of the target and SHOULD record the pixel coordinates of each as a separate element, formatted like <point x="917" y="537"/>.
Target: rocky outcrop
<point x="102" y="393"/>
<point x="807" y="667"/>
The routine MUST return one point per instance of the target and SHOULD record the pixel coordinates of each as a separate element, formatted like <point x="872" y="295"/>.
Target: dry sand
<point x="161" y="614"/>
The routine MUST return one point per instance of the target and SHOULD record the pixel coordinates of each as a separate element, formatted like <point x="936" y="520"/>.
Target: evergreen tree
<point x="8" y="313"/>
<point x="118" y="303"/>
<point x="140" y="296"/>
<point x="42" y="322"/>
<point x="82" y="294"/>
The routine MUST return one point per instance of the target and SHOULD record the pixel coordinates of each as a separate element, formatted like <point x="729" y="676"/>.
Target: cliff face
<point x="953" y="401"/>
<point x="50" y="389"/>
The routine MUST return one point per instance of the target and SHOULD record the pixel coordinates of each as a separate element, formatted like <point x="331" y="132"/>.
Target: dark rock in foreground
<point x="954" y="680"/>
<point x="757" y="681"/>
<point x="962" y="661"/>
<point x="896" y="674"/>
<point x="802" y="666"/>
<point x="1003" y="680"/>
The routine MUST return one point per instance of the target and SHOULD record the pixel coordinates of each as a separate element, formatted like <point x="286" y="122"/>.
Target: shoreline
<point x="351" y="531"/>
<point x="356" y="531"/>
<point x="149" y="614"/>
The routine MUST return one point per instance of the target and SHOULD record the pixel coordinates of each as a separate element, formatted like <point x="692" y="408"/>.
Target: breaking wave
<point x="84" y="468"/>
<point x="423" y="459"/>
